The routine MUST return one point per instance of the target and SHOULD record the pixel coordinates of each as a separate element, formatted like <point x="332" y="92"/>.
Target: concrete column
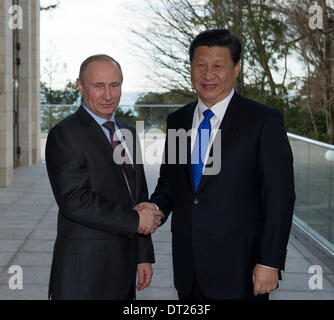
<point x="29" y="88"/>
<point x="35" y="81"/>
<point x="25" y="103"/>
<point x="29" y="105"/>
<point x="6" y="96"/>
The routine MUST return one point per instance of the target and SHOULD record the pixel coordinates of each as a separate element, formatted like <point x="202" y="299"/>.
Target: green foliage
<point x="280" y="102"/>
<point x="297" y="118"/>
<point x="170" y="97"/>
<point x="270" y="32"/>
<point x="298" y="121"/>
<point x="127" y="116"/>
<point x="67" y="101"/>
<point x="155" y="117"/>
<point x="150" y="98"/>
<point x="51" y="115"/>
<point x="68" y="95"/>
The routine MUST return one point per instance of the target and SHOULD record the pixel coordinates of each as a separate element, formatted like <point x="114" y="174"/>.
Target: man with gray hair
<point x="101" y="240"/>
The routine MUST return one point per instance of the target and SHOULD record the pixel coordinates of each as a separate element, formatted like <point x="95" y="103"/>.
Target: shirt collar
<point x="98" y="119"/>
<point x="218" y="109"/>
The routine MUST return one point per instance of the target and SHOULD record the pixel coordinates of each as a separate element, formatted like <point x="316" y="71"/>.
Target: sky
<point x="77" y="29"/>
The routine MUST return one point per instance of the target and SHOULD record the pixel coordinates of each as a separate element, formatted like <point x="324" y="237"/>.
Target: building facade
<point x="19" y="86"/>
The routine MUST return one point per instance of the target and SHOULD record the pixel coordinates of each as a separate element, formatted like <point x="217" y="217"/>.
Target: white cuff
<point x="267" y="267"/>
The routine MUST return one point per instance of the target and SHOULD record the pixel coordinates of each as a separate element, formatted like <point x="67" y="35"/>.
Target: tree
<point x="315" y="47"/>
<point x="49" y="7"/>
<point x="67" y="101"/>
<point x="175" y="23"/>
<point x="50" y="115"/>
<point x="261" y="32"/>
<point x="270" y="31"/>
<point x="53" y="93"/>
<point x="127" y="116"/>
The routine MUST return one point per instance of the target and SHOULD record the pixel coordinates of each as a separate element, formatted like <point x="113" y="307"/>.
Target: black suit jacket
<point x="97" y="248"/>
<point x="238" y="217"/>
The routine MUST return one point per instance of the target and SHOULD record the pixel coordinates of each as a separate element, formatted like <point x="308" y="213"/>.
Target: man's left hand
<point x="145" y="273"/>
<point x="264" y="279"/>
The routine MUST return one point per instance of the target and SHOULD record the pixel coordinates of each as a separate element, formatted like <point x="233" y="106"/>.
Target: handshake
<point x="149" y="217"/>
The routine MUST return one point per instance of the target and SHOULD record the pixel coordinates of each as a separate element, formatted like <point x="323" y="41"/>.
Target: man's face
<point x="101" y="88"/>
<point x="213" y="73"/>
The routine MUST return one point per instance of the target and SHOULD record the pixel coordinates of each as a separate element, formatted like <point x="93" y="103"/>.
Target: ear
<point x="236" y="69"/>
<point x="80" y="86"/>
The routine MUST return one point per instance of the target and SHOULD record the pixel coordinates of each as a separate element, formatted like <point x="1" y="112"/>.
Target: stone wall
<point x="29" y="89"/>
<point x="6" y="96"/>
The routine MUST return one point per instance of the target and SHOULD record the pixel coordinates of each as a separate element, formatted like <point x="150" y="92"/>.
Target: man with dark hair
<point x="220" y="38"/>
<point x="229" y="229"/>
<point x="101" y="240"/>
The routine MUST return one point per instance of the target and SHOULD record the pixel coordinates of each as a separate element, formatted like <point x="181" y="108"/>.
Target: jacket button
<point x="196" y="201"/>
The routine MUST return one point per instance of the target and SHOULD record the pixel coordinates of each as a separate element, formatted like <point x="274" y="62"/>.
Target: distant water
<point x="129" y="98"/>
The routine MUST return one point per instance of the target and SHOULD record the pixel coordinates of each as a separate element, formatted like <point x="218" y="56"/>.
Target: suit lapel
<point x="226" y="128"/>
<point x="133" y="152"/>
<point x="102" y="142"/>
<point x="187" y="125"/>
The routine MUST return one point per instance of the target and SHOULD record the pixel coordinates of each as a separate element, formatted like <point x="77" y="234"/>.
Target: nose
<point x="107" y="94"/>
<point x="209" y="73"/>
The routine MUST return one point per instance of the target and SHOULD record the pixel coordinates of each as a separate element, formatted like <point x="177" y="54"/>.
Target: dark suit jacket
<point x="97" y="248"/>
<point x="238" y="217"/>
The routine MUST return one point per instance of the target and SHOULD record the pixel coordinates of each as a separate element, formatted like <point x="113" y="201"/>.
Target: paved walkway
<point x="28" y="215"/>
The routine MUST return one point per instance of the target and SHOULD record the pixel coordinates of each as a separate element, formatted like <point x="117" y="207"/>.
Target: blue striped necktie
<point x="201" y="144"/>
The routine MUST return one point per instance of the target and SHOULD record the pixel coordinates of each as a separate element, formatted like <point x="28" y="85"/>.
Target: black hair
<point x="217" y="37"/>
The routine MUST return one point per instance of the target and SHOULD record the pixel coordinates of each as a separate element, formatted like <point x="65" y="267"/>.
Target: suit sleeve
<point x="278" y="195"/>
<point x="163" y="195"/>
<point x="70" y="182"/>
<point x="145" y="250"/>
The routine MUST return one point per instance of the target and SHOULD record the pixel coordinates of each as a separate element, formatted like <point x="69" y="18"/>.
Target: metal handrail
<point x="322" y="239"/>
<point x="60" y="105"/>
<point x="135" y="105"/>
<point x="308" y="140"/>
<point x="290" y="135"/>
<point x="159" y="105"/>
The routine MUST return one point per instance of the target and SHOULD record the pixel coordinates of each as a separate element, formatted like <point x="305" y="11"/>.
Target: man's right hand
<point x="149" y="220"/>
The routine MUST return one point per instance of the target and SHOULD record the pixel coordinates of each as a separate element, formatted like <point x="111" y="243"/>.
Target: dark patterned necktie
<point x="126" y="165"/>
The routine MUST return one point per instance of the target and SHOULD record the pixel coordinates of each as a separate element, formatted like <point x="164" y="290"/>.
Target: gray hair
<point x="97" y="57"/>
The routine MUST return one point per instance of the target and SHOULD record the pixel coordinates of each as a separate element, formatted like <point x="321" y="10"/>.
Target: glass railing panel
<point x="313" y="162"/>
<point x="314" y="185"/>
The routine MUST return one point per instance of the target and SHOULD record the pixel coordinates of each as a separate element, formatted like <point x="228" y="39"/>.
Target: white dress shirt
<point x="100" y="121"/>
<point x="218" y="110"/>
<point x="118" y="132"/>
